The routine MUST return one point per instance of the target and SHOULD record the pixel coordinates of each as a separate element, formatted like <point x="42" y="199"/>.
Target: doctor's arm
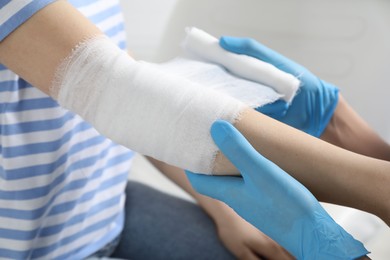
<point x="348" y="130"/>
<point x="318" y="109"/>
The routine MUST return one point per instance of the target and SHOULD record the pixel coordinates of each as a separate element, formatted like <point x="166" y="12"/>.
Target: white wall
<point x="145" y="20"/>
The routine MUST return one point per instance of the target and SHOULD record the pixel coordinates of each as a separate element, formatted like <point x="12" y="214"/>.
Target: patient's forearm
<point x="348" y="130"/>
<point x="333" y="174"/>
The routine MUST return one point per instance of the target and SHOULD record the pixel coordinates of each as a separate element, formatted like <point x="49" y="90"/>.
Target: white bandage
<point x="216" y="77"/>
<point x="137" y="105"/>
<point x="206" y="47"/>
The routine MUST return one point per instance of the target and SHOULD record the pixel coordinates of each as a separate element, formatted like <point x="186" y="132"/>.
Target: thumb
<point x="237" y="149"/>
<point x="217" y="187"/>
<point x="251" y="47"/>
<point x="276" y="110"/>
<point x="258" y="171"/>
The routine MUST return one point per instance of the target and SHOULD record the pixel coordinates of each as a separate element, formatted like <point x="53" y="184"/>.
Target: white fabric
<point x="139" y="106"/>
<point x="206" y="47"/>
<point x="216" y="77"/>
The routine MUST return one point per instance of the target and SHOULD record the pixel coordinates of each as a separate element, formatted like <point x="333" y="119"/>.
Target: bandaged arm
<point x="133" y="103"/>
<point x="37" y="48"/>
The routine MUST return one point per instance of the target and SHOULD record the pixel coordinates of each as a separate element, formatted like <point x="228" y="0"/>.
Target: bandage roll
<point x="137" y="105"/>
<point x="206" y="47"/>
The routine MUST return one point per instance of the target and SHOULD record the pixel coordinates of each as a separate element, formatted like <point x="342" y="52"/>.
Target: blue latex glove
<point x="313" y="106"/>
<point x="274" y="202"/>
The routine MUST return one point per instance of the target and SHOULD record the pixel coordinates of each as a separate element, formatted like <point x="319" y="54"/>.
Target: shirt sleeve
<point x="13" y="13"/>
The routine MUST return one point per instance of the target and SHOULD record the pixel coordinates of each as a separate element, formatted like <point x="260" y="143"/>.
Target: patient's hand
<point x="244" y="240"/>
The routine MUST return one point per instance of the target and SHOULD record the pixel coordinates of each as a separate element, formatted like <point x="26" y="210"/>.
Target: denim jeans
<point x="160" y="226"/>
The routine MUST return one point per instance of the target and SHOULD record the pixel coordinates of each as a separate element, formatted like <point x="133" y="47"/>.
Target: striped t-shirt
<point x="61" y="183"/>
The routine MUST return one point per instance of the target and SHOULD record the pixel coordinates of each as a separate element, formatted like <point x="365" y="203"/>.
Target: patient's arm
<point x="36" y="48"/>
<point x="348" y="130"/>
<point x="331" y="173"/>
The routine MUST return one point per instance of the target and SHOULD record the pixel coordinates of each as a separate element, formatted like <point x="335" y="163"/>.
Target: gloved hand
<point x="274" y="202"/>
<point x="315" y="103"/>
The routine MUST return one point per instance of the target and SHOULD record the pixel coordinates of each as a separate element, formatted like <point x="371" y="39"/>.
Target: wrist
<point x="330" y="99"/>
<point x="217" y="210"/>
<point x="348" y="130"/>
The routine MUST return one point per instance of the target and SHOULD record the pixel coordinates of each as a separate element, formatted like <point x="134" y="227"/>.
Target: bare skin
<point x="348" y="130"/>
<point x="36" y="48"/>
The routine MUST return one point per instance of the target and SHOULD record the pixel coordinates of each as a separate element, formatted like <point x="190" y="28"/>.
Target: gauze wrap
<point x="204" y="46"/>
<point x="137" y="105"/>
<point x="165" y="111"/>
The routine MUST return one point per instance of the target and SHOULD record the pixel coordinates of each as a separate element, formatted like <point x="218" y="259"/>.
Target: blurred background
<point x="345" y="42"/>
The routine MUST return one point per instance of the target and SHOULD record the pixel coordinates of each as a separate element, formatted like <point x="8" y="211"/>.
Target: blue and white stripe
<point x="14" y="12"/>
<point x="61" y="183"/>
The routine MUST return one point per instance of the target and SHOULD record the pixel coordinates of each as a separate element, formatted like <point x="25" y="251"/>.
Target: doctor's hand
<point x="274" y="202"/>
<point x="315" y="103"/>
